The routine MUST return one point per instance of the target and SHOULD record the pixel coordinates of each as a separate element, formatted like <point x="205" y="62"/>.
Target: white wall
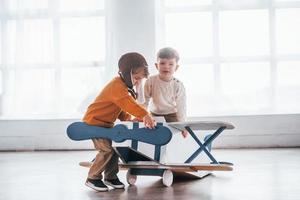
<point x="250" y="131"/>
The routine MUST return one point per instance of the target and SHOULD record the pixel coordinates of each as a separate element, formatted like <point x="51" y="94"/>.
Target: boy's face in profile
<point x="138" y="76"/>
<point x="166" y="68"/>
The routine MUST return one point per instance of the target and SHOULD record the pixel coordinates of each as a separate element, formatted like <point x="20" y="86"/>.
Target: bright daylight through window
<point x="52" y="56"/>
<point x="237" y="57"/>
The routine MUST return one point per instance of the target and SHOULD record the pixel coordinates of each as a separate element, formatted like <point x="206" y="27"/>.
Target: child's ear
<point x="156" y="65"/>
<point x="177" y="66"/>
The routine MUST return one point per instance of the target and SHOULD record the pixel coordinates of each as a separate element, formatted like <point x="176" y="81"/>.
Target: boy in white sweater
<point x="166" y="94"/>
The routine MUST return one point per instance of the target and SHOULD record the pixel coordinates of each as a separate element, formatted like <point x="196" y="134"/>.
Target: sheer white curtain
<point x="52" y="56"/>
<point x="238" y="57"/>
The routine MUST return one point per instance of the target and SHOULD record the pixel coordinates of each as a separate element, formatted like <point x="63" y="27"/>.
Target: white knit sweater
<point x="165" y="97"/>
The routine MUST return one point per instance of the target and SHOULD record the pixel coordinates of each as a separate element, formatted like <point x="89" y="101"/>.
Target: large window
<point x="52" y="56"/>
<point x="237" y="57"/>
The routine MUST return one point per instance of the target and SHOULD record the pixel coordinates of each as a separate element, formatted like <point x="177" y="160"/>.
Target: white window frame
<point x="55" y="15"/>
<point x="216" y="59"/>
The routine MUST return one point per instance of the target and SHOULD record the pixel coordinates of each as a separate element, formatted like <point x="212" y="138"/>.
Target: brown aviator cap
<point x="128" y="64"/>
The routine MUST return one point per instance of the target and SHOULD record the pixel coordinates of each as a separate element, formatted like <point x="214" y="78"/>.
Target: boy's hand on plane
<point x="149" y="121"/>
<point x="184" y="133"/>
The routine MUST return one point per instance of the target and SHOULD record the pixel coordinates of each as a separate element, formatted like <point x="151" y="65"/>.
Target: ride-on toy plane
<point x="138" y="163"/>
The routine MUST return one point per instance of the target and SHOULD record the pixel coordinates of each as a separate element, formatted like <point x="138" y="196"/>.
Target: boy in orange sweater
<point x="116" y="101"/>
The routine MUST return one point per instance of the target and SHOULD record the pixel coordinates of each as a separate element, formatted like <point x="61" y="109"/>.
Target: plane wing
<point x="200" y="125"/>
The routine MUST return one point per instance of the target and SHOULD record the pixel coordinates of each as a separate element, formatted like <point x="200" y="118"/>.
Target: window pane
<point x="190" y="33"/>
<point x="18" y="5"/>
<point x="82" y="39"/>
<point x="199" y="84"/>
<point x="1" y="43"/>
<point x="30" y="93"/>
<point x="1" y="86"/>
<point x="79" y="88"/>
<point x="187" y="2"/>
<point x="229" y="4"/>
<point x="286" y="0"/>
<point x="288" y="74"/>
<point x="38" y="41"/>
<point x="69" y="5"/>
<point x="288" y="31"/>
<point x="11" y="37"/>
<point x="244" y="33"/>
<point x="197" y="74"/>
<point x="288" y="91"/>
<point x="245" y="87"/>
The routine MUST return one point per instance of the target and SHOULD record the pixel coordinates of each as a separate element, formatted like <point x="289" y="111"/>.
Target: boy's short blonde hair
<point x="168" y="53"/>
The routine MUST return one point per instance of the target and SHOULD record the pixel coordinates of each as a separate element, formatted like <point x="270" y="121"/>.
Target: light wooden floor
<point x="267" y="174"/>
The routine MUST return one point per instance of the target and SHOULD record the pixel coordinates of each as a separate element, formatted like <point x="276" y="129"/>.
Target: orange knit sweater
<point x="113" y="102"/>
